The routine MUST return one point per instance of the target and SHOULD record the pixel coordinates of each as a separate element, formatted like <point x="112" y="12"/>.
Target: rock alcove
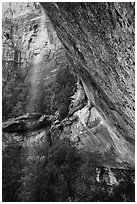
<point x="68" y="82"/>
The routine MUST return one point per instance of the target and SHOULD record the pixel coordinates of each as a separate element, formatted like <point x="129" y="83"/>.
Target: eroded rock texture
<point x="99" y="39"/>
<point x="68" y="101"/>
<point x="32" y="58"/>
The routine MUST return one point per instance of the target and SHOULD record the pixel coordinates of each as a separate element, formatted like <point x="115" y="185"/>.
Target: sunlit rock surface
<point x="68" y="75"/>
<point x="32" y="58"/>
<point x="102" y="121"/>
<point x="102" y="101"/>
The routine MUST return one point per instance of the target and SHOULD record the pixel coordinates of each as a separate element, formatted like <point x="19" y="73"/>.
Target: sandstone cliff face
<point x="68" y="75"/>
<point x="99" y="46"/>
<point x="99" y="39"/>
<point x="103" y="102"/>
<point x="32" y="57"/>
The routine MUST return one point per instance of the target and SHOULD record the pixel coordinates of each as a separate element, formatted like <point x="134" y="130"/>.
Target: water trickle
<point x="39" y="45"/>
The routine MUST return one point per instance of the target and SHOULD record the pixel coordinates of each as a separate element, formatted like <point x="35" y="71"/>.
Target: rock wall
<point x="68" y="103"/>
<point x="102" y="106"/>
<point x="32" y="57"/>
<point x="99" y="39"/>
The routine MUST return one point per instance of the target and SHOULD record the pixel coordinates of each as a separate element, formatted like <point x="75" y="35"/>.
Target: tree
<point x="11" y="172"/>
